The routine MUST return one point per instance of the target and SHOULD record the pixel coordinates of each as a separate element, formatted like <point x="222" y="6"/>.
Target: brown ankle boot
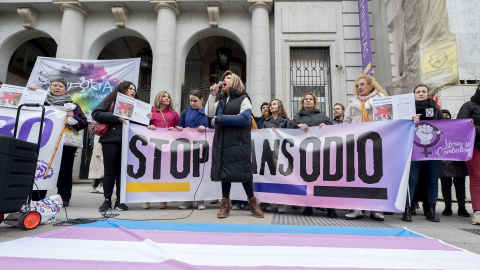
<point x="254" y="208"/>
<point x="224" y="208"/>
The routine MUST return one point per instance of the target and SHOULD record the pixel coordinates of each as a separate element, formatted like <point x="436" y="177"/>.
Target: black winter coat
<point x="101" y="114"/>
<point x="471" y="109"/>
<point x="280" y="122"/>
<point x="231" y="152"/>
<point x="422" y="106"/>
<point x="452" y="168"/>
<point x="311" y="119"/>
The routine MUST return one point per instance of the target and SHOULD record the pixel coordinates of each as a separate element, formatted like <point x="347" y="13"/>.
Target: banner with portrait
<point x="356" y="166"/>
<point x="88" y="81"/>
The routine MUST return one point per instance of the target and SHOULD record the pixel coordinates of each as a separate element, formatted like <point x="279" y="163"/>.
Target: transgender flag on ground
<point x="126" y="245"/>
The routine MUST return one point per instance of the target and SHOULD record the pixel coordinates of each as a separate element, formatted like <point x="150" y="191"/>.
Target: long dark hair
<point x="120" y="88"/>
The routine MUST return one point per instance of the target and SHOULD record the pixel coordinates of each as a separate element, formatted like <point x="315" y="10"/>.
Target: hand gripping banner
<point x="356" y="166"/>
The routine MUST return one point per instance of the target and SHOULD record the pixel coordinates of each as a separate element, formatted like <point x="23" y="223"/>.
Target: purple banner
<point x="365" y="37"/>
<point x="443" y="140"/>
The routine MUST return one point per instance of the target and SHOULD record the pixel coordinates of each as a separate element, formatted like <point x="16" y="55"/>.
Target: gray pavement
<point x="85" y="205"/>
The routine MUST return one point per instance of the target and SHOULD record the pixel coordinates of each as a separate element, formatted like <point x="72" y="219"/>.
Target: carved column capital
<point x="73" y="4"/>
<point x="268" y="4"/>
<point x="120" y="13"/>
<point x="171" y="4"/>
<point x="28" y="14"/>
<point x="213" y="10"/>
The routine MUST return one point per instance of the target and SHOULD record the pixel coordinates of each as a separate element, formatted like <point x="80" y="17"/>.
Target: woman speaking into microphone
<point x="231" y="156"/>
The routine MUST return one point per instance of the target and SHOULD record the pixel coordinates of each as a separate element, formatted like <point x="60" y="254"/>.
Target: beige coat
<point x="96" y="162"/>
<point x="353" y="114"/>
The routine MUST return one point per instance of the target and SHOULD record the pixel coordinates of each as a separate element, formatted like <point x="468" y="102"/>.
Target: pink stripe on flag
<point x="249" y="239"/>
<point x="12" y="263"/>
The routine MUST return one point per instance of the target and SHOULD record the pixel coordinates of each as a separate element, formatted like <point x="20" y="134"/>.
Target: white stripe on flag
<point x="223" y="255"/>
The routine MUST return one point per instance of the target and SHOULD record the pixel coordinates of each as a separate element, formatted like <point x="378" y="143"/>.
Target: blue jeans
<point x="432" y="168"/>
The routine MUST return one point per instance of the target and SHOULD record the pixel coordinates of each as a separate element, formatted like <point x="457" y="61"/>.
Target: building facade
<point x="280" y="48"/>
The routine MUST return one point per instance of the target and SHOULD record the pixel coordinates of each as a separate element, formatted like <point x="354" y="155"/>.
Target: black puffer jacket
<point x="471" y="109"/>
<point x="231" y="152"/>
<point x="280" y="122"/>
<point x="101" y="114"/>
<point x="311" y="119"/>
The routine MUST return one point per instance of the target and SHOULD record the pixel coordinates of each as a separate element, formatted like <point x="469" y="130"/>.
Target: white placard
<point x="394" y="107"/>
<point x="132" y="109"/>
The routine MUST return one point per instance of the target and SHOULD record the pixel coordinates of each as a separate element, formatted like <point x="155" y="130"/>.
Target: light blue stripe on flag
<point x="240" y="228"/>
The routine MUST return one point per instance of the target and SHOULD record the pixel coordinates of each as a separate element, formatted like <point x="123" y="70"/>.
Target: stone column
<point x="164" y="53"/>
<point x="70" y="44"/>
<point x="260" y="89"/>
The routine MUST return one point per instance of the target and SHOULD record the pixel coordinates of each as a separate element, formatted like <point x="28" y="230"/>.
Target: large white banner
<point x="28" y="130"/>
<point x="356" y="166"/>
<point x="88" y="81"/>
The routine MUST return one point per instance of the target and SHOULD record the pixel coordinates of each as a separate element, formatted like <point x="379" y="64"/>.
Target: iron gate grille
<point x="310" y="72"/>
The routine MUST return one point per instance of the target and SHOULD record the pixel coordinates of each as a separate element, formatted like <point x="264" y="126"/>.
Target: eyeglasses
<point x="360" y="84"/>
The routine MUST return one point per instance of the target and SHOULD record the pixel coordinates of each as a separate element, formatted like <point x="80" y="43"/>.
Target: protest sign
<point x="28" y="129"/>
<point x="356" y="166"/>
<point x="394" y="107"/>
<point x="88" y="81"/>
<point x="443" y="140"/>
<point x="132" y="109"/>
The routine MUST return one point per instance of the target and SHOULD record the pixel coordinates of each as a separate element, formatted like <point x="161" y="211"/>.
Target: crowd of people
<point x="228" y="111"/>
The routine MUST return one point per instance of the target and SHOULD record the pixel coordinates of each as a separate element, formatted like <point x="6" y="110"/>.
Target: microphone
<point x="220" y="84"/>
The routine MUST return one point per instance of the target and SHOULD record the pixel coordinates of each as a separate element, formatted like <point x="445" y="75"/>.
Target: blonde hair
<point x="281" y="109"/>
<point x="236" y="81"/>
<point x="478" y="85"/>
<point x="158" y="99"/>
<point x="315" y="102"/>
<point x="370" y="81"/>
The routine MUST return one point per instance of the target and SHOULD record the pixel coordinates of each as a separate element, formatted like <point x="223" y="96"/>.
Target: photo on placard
<point x="10" y="99"/>
<point x="124" y="109"/>
<point x="384" y="112"/>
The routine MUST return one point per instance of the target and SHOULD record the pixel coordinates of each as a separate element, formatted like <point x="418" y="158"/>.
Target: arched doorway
<point x="203" y="66"/>
<point x="23" y="59"/>
<point x="132" y="47"/>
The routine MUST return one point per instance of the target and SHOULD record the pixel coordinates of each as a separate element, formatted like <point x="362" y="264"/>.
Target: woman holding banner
<point x="57" y="96"/>
<point x="360" y="110"/>
<point x="194" y="117"/>
<point x="163" y="115"/>
<point x="277" y="118"/>
<point x="231" y="154"/>
<point x="112" y="144"/>
<point x="471" y="109"/>
<point x="310" y="116"/>
<point x="429" y="111"/>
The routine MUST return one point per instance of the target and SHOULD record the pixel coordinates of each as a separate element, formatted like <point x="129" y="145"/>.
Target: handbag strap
<point x="111" y="106"/>
<point x="165" y="121"/>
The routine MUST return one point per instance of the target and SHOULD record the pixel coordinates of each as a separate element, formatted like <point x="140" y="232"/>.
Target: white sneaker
<point x="376" y="216"/>
<point x="476" y="218"/>
<point x="282" y="208"/>
<point x="99" y="189"/>
<point x="185" y="205"/>
<point x="146" y="205"/>
<point x="93" y="190"/>
<point x="272" y="208"/>
<point x="201" y="205"/>
<point x="236" y="206"/>
<point x="356" y="214"/>
<point x="163" y="205"/>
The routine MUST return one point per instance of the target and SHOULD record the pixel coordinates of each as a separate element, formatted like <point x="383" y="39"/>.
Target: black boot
<point x="447" y="195"/>
<point x="459" y="183"/>
<point x="413" y="210"/>
<point x="308" y="211"/>
<point x="407" y="215"/>
<point x="331" y="213"/>
<point x="431" y="212"/>
<point x="425" y="208"/>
